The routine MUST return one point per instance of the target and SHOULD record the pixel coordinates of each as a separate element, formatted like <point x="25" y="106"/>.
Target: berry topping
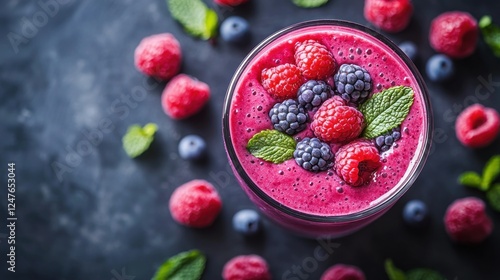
<point x="246" y="221"/>
<point x="184" y="96"/>
<point x="158" y="56"/>
<point x="410" y="49"/>
<point x="288" y="117"/>
<point x="336" y="122"/>
<point x="230" y="2"/>
<point x="192" y="147"/>
<point x="283" y="81"/>
<point x="246" y="267"/>
<point x="314" y="60"/>
<point x="235" y="29"/>
<point x="389" y="15"/>
<point x="385" y="142"/>
<point x="195" y="204"/>
<point x="439" y="68"/>
<point x="477" y="126"/>
<point x="313" y="93"/>
<point x="355" y="162"/>
<point x="343" y="272"/>
<point x="353" y="83"/>
<point x="454" y="34"/>
<point x="466" y="220"/>
<point x="415" y="213"/>
<point x="313" y="155"/>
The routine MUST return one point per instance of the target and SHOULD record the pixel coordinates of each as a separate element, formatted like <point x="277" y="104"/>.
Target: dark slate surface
<point x="107" y="217"/>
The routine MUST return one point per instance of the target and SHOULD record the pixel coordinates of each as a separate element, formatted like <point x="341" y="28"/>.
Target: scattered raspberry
<point x="159" y="56"/>
<point x="336" y="122"/>
<point x="466" y="220"/>
<point x="195" y="204"/>
<point x="249" y="267"/>
<point x="230" y="2"/>
<point x="184" y="96"/>
<point x="389" y="15"/>
<point x="282" y="82"/>
<point x="314" y="60"/>
<point x="477" y="126"/>
<point x="355" y="162"/>
<point x="343" y="272"/>
<point x="454" y="34"/>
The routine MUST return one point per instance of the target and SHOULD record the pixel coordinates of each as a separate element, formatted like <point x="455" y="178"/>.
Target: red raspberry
<point x="230" y="2"/>
<point x="389" y="15"/>
<point x="184" y="96"/>
<point x="343" y="272"/>
<point x="356" y="161"/>
<point x="336" y="122"/>
<point x="249" y="267"/>
<point x="282" y="82"/>
<point x="466" y="220"/>
<point x="159" y="56"/>
<point x="314" y="60"/>
<point x="454" y="34"/>
<point x="477" y="126"/>
<point x="195" y="204"/>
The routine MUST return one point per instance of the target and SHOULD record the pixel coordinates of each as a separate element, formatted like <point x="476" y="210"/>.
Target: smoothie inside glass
<point x="320" y="203"/>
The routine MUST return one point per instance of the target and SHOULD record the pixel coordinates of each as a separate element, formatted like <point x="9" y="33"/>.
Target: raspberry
<point x="230" y="2"/>
<point x="466" y="220"/>
<point x="353" y="83"/>
<point x="246" y="267"/>
<point x="454" y="34"/>
<point x="477" y="126"/>
<point x="343" y="272"/>
<point x="313" y="155"/>
<point x="195" y="204"/>
<point x="184" y="96"/>
<point x="158" y="56"/>
<point x="336" y="122"/>
<point x="355" y="162"/>
<point x="313" y="93"/>
<point x="314" y="60"/>
<point x="389" y="15"/>
<point x="282" y="82"/>
<point x="288" y="117"/>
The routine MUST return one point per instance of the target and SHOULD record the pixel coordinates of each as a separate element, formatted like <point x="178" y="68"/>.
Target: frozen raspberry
<point x="454" y="34"/>
<point x="343" y="272"/>
<point x="246" y="267"/>
<point x="314" y="60"/>
<point x="195" y="204"/>
<point x="336" y="122"/>
<point x="230" y="2"/>
<point x="159" y="56"/>
<point x="477" y="126"/>
<point x="282" y="82"/>
<point x="466" y="220"/>
<point x="184" y="96"/>
<point x="389" y="15"/>
<point x="355" y="162"/>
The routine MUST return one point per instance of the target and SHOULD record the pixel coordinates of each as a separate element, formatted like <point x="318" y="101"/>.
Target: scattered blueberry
<point x="246" y="221"/>
<point x="288" y="117"/>
<point x="410" y="49"/>
<point x="384" y="142"/>
<point x="192" y="147"/>
<point x="439" y="68"/>
<point x="415" y="213"/>
<point x="235" y="30"/>
<point x="313" y="155"/>
<point x="313" y="93"/>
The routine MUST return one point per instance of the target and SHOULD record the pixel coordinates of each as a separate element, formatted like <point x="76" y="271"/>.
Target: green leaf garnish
<point x="309" y="3"/>
<point x="138" y="139"/>
<point x="493" y="196"/>
<point x="491" y="34"/>
<point x="490" y="172"/>
<point x="386" y="110"/>
<point x="470" y="179"/>
<point x="183" y="266"/>
<point x="271" y="145"/>
<point x="196" y="18"/>
<point x="423" y="274"/>
<point x="393" y="272"/>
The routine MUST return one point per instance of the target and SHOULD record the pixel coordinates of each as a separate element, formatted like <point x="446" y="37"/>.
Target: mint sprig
<point x="386" y="110"/>
<point x="493" y="197"/>
<point x="272" y="146"/>
<point x="483" y="182"/>
<point x="183" y="266"/>
<point x="196" y="18"/>
<point x="395" y="273"/>
<point x="491" y="34"/>
<point x="138" y="139"/>
<point x="309" y="3"/>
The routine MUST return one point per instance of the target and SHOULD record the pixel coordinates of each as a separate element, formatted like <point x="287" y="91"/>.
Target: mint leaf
<point x="493" y="196"/>
<point x="138" y="139"/>
<point x="490" y="172"/>
<point x="309" y="3"/>
<point x="183" y="266"/>
<point x="386" y="110"/>
<point x="271" y="145"/>
<point x="423" y="274"/>
<point x="470" y="179"/>
<point x="491" y="34"/>
<point x="196" y="18"/>
<point x="393" y="272"/>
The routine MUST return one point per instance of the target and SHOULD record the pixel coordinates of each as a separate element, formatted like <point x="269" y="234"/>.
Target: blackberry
<point x="288" y="117"/>
<point x="313" y="93"/>
<point x="353" y="83"/>
<point x="313" y="155"/>
<point x="384" y="142"/>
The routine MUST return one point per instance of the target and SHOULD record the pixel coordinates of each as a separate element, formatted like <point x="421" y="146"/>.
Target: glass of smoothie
<point x="353" y="179"/>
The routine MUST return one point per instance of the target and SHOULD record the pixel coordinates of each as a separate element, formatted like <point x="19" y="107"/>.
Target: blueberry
<point x="439" y="68"/>
<point x="192" y="147"/>
<point x="410" y="49"/>
<point x="235" y="30"/>
<point x="415" y="213"/>
<point x="246" y="221"/>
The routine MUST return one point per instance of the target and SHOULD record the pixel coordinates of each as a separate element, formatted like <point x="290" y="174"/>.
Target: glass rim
<point x="403" y="184"/>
